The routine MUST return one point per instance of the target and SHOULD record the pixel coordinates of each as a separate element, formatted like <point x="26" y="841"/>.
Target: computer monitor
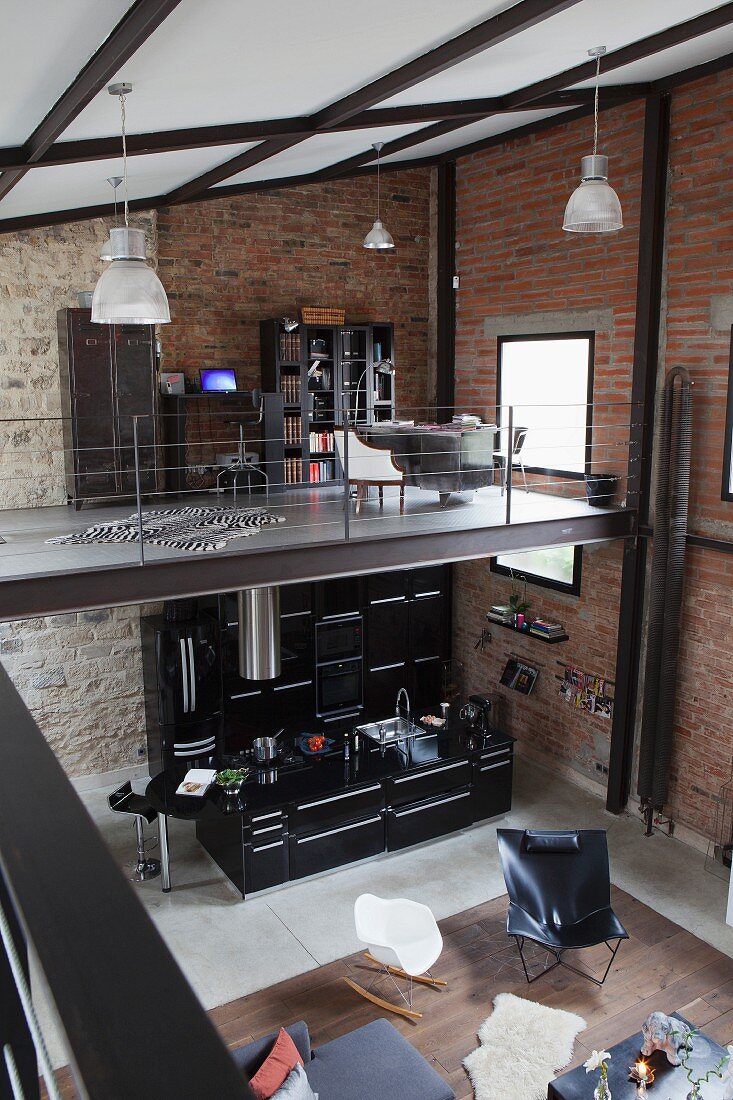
<point x="218" y="380"/>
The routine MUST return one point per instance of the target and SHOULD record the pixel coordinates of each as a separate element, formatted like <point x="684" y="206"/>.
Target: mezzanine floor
<point x="38" y="578"/>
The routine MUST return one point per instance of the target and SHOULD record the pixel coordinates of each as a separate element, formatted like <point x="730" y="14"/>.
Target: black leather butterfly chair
<point x="559" y="893"/>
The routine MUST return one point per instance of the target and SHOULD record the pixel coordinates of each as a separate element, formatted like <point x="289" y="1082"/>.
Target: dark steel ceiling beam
<point x="135" y="27"/>
<point x="525" y="14"/>
<point x="209" y="137"/>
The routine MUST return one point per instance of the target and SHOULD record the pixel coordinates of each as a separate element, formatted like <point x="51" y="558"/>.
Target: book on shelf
<point x="290" y="388"/>
<point x="292" y="430"/>
<point x="321" y="471"/>
<point x="290" y="346"/>
<point x="320" y="441"/>
<point x="293" y="470"/>
<point x="500" y="613"/>
<point x="544" y="629"/>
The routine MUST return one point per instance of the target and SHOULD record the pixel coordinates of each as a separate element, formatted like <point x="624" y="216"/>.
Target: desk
<point x="669" y="1082"/>
<point x="444" y="458"/>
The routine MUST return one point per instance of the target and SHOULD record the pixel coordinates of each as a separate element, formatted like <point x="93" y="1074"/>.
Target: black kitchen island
<point x="311" y="814"/>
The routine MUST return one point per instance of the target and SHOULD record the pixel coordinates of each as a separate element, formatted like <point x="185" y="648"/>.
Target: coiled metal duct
<point x="667" y="581"/>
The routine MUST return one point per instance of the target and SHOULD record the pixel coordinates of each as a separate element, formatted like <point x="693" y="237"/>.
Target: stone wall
<point x="41" y="271"/>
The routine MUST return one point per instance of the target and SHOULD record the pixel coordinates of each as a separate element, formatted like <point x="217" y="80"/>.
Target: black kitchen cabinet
<point x="338" y="597"/>
<point x="390" y="585"/>
<point x="428" y="782"/>
<point x="430" y="580"/>
<point x="296" y="599"/>
<point x="223" y="839"/>
<point x="107" y="378"/>
<point x="294" y="703"/>
<point x="387" y="629"/>
<point x="417" y="822"/>
<point x="382" y="686"/>
<point x="491" y="790"/>
<point x="425" y="685"/>
<point x="427" y="628"/>
<point x="315" y="815"/>
<point x="333" y="847"/>
<point x="266" y="851"/>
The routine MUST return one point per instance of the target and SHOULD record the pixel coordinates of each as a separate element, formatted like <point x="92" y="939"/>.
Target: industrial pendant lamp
<point x="594" y="206"/>
<point x="106" y="253"/>
<point x="378" y="236"/>
<point x="128" y="292"/>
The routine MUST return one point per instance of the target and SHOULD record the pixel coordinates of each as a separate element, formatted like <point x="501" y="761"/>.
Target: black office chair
<point x="559" y="894"/>
<point x="123" y="801"/>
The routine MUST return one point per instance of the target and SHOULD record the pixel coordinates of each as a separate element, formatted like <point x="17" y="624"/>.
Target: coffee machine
<point x="477" y="712"/>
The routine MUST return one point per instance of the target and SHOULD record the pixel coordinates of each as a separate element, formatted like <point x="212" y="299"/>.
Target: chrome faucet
<point x="397" y="712"/>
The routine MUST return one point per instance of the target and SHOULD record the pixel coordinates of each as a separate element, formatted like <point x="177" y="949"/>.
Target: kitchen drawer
<point x="429" y="782"/>
<point x="266" y="857"/>
<point x="312" y="815"/>
<point x="333" y="847"/>
<point x="491" y="791"/>
<point x="415" y="823"/>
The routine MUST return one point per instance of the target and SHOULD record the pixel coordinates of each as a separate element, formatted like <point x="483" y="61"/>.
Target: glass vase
<point x="602" y="1091"/>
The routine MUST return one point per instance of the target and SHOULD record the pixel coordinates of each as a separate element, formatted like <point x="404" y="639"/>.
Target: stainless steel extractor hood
<point x="258" y="611"/>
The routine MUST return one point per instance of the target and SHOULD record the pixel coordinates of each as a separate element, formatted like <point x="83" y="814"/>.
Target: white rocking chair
<point x="403" y="938"/>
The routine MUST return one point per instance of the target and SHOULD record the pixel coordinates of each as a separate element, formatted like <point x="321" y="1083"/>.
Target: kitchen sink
<point x="390" y="730"/>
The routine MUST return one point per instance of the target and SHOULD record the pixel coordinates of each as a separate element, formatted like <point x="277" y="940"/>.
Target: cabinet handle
<point x="342" y="829"/>
<point x="267" y="829"/>
<point x="338" y="797"/>
<point x="291" y="615"/>
<point x="433" y="771"/>
<point x="192" y="673"/>
<point x="389" y="599"/>
<point x="493" y="755"/>
<point x="383" y="668"/>
<point x="342" y="615"/>
<point x="184" y="674"/>
<point x="341" y="717"/>
<point x="266" y="847"/>
<point x="431" y="805"/>
<point x="207" y="741"/>
<point x="265" y="817"/>
<point x="422" y="660"/>
<point x="490" y="767"/>
<point x="424" y="595"/>
<point x="289" y="687"/>
<point x="246" y="695"/>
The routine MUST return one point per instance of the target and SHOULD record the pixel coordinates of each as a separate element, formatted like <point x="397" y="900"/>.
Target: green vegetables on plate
<point x="231" y="776"/>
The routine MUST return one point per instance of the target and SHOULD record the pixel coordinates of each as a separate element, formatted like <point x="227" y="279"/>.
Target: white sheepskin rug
<point x="522" y="1045"/>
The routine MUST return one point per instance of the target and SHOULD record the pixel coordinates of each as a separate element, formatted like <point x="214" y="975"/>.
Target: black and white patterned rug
<point x="178" y="528"/>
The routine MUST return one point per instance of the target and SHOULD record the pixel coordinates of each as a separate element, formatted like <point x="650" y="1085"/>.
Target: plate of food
<point x="314" y="744"/>
<point x="432" y="720"/>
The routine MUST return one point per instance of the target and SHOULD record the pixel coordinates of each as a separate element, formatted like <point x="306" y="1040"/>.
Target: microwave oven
<point x="339" y="639"/>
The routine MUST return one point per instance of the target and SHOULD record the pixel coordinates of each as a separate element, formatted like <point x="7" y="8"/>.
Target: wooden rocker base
<point x="386" y="1005"/>
<point x="395" y="970"/>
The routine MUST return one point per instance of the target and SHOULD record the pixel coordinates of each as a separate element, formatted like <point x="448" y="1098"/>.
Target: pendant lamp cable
<point x="595" y="107"/>
<point x="124" y="156"/>
<point x="378" y="194"/>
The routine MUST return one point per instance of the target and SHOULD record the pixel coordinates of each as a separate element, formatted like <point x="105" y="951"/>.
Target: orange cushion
<point x="282" y="1059"/>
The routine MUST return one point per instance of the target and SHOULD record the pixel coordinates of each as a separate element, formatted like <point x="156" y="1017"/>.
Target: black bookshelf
<point x="319" y="369"/>
<point x="528" y="634"/>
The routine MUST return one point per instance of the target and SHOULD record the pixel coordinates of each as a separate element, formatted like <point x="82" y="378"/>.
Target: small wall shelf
<point x="534" y="637"/>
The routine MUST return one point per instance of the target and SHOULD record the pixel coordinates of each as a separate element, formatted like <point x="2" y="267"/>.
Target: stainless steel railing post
<point x="509" y="459"/>
<point x="346" y="468"/>
<point x="138" y="497"/>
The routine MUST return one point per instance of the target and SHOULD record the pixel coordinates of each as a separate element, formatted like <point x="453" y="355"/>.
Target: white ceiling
<point x="227" y="61"/>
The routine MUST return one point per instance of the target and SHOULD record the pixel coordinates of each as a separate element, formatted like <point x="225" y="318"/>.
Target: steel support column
<point x="643" y="387"/>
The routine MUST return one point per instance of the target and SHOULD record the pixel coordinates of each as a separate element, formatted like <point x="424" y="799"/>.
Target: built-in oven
<point x="339" y="638"/>
<point x="339" y="687"/>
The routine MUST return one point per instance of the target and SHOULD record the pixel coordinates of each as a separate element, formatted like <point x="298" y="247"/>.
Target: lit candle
<point x="643" y="1070"/>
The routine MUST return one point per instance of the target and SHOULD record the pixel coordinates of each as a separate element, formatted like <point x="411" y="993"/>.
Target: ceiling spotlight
<point x="378" y="236"/>
<point x="594" y="206"/>
<point x="129" y="291"/>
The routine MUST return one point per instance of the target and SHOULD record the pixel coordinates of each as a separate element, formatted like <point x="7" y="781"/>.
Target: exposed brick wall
<point x="699" y="272"/>
<point x="229" y="263"/>
<point x="514" y="258"/>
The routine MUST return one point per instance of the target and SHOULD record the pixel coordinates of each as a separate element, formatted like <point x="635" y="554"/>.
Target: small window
<point x="727" y="488"/>
<point x="548" y="379"/>
<point x="557" y="567"/>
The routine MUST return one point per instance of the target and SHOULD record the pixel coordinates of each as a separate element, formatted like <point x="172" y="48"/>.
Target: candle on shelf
<point x="642" y="1073"/>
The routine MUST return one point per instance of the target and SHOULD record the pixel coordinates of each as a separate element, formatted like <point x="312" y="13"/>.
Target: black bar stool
<point x="123" y="801"/>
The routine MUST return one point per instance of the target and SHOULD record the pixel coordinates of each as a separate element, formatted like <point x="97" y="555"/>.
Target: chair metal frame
<point x="520" y="436"/>
<point x="557" y="953"/>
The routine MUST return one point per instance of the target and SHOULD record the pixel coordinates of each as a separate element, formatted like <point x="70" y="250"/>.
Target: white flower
<point x="596" y="1060"/>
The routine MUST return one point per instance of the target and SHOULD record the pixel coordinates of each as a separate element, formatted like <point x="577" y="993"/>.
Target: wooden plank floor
<point x="662" y="966"/>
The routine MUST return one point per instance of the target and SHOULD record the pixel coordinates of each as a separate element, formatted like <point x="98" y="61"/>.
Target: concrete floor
<point x="311" y="515"/>
<point x="228" y="947"/>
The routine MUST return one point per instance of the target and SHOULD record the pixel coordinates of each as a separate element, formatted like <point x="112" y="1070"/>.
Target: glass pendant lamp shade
<point x="594" y="206"/>
<point x="378" y="237"/>
<point x="129" y="292"/>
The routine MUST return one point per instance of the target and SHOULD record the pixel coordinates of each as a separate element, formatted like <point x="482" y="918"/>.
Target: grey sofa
<point x="444" y="459"/>
<point x="372" y="1063"/>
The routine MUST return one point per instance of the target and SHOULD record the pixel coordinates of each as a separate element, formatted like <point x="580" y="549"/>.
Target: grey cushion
<point x="250" y="1057"/>
<point x="296" y="1087"/>
<point x="374" y="1063"/>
